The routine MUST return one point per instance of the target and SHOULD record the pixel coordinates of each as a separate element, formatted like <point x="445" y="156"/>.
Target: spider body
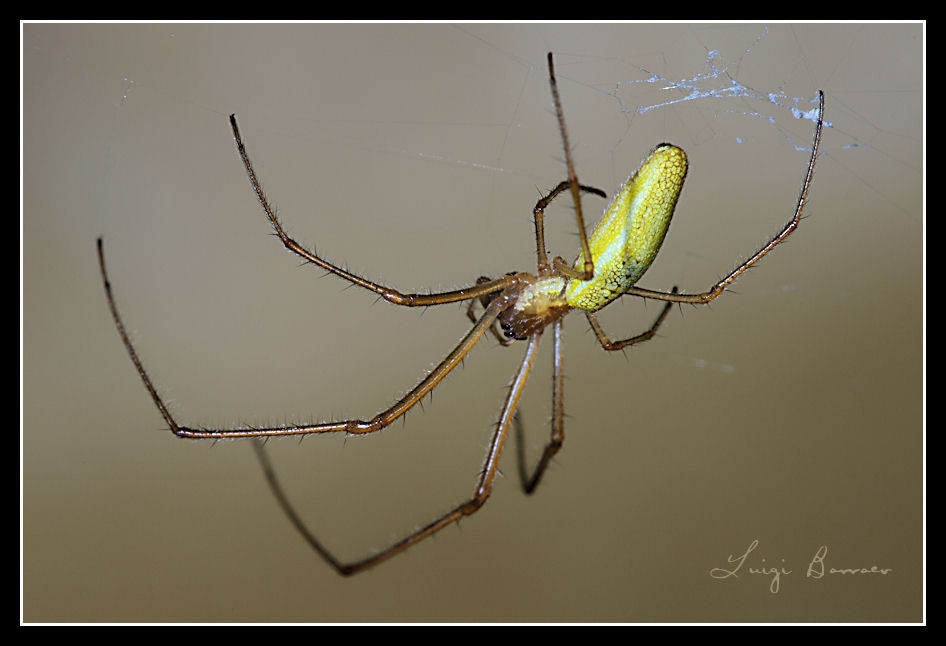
<point x="517" y="306"/>
<point x="531" y="304"/>
<point x="629" y="235"/>
<point x="623" y="245"/>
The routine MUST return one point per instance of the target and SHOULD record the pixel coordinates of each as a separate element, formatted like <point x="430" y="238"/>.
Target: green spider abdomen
<point x="630" y="233"/>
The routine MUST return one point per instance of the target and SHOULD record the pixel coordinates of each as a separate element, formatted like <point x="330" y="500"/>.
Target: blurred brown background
<point x="788" y="412"/>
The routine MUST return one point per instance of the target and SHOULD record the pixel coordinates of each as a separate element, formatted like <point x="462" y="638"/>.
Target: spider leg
<point x="483" y="489"/>
<point x="574" y="186"/>
<point x="484" y="301"/>
<point x="355" y="426"/>
<point x="539" y="218"/>
<point x="529" y="483"/>
<point x="610" y="345"/>
<point x="387" y="293"/>
<point x="790" y="226"/>
<point x="270" y="473"/>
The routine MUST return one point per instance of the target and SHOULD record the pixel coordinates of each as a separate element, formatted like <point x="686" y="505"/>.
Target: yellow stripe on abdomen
<point x="630" y="233"/>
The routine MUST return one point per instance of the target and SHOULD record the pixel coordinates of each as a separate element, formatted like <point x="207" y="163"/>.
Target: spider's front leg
<point x="354" y="426"/>
<point x="387" y="293"/>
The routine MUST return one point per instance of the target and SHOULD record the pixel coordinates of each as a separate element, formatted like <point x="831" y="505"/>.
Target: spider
<point x="518" y="306"/>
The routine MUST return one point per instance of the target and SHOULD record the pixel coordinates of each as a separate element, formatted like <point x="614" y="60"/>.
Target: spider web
<point x="718" y="82"/>
<point x="753" y="85"/>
